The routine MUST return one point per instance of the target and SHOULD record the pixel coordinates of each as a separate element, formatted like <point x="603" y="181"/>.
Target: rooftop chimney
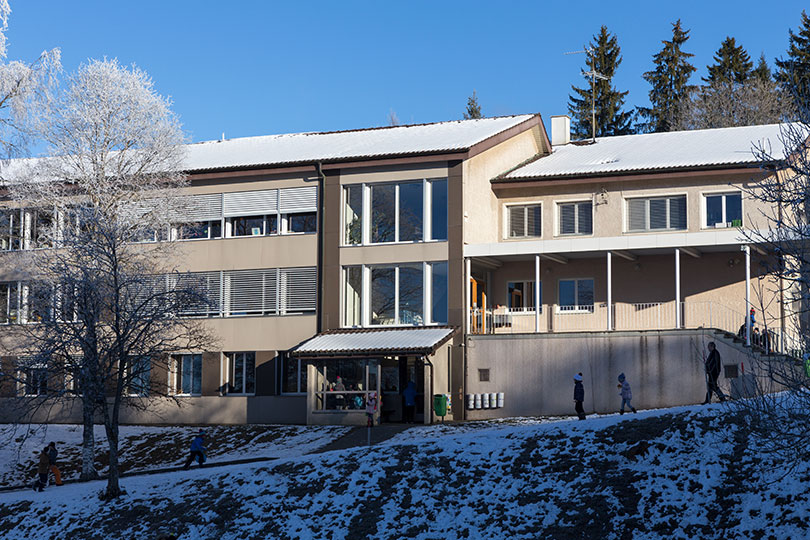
<point x="560" y="130"/>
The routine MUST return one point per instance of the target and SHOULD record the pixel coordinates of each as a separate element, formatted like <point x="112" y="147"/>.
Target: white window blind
<point x="250" y="203"/>
<point x="302" y="199"/>
<point x="251" y="292"/>
<point x="297" y="289"/>
<point x="567" y="219"/>
<point x="201" y="293"/>
<point x="654" y="214"/>
<point x="193" y="208"/>
<point x="525" y="221"/>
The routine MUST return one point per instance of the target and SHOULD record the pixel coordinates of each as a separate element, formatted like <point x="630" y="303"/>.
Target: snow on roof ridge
<point x="373" y="128"/>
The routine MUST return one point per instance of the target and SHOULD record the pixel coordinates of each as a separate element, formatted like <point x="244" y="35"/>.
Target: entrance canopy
<point x="420" y="341"/>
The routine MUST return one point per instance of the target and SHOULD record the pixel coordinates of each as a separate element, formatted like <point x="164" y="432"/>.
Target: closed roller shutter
<point x="250" y="203"/>
<point x="195" y="208"/>
<point x="303" y="199"/>
<point x="297" y="289"/>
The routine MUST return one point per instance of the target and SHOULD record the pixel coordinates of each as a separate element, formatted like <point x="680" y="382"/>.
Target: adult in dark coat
<point x="409" y="395"/>
<point x="579" y="396"/>
<point x="713" y="364"/>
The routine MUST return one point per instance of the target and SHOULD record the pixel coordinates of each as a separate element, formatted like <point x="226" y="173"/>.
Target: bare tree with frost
<point x="106" y="296"/>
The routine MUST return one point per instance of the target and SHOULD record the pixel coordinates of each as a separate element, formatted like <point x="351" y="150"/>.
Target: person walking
<point x="626" y="393"/>
<point x="409" y="394"/>
<point x="42" y="470"/>
<point x="712" y="365"/>
<point x="53" y="453"/>
<point x="197" y="450"/>
<point x="579" y="396"/>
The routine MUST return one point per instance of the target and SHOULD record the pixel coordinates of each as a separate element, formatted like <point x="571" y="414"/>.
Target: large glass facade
<point x="383" y="213"/>
<point x="383" y="296"/>
<point x="411" y="212"/>
<point x="411" y="292"/>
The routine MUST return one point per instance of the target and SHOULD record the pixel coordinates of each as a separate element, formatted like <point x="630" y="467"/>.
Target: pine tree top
<point x="793" y="72"/>
<point x="473" y="108"/>
<point x="762" y="72"/>
<point x="731" y="64"/>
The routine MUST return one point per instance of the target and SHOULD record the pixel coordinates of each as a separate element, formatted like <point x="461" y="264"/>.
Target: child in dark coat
<point x="579" y="396"/>
<point x="626" y="393"/>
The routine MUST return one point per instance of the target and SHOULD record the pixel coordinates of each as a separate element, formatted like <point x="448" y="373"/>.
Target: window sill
<point x="519" y="238"/>
<point x="578" y="311"/>
<point x="656" y="231"/>
<point x="415" y="242"/>
<point x="574" y="235"/>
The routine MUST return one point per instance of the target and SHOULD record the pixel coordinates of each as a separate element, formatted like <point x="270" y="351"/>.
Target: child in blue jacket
<point x="626" y="393"/>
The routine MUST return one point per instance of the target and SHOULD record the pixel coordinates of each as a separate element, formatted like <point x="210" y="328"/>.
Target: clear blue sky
<point x="261" y="67"/>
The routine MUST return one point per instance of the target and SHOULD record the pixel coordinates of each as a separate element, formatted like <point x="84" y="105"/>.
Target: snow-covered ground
<point x="700" y="477"/>
<point x="143" y="448"/>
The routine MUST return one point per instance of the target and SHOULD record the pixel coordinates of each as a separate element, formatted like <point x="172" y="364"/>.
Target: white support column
<point x="468" y="302"/>
<point x="677" y="288"/>
<point x="609" y="291"/>
<point x="748" y="325"/>
<point x="537" y="293"/>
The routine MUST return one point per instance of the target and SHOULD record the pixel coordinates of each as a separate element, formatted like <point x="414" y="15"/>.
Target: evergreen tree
<point x="731" y="64"/>
<point x="669" y="81"/>
<point x="762" y="72"/>
<point x="604" y="56"/>
<point x="473" y="108"/>
<point x="793" y="73"/>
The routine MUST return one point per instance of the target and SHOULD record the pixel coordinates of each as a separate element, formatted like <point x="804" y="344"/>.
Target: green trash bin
<point x="440" y="405"/>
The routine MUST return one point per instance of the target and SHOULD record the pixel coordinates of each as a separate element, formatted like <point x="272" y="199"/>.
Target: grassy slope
<point x="700" y="478"/>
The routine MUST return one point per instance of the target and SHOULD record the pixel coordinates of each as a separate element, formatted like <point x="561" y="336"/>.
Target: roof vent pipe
<point x="560" y="130"/>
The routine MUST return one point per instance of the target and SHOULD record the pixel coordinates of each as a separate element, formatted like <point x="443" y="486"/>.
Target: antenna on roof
<point x="593" y="74"/>
<point x="223" y="136"/>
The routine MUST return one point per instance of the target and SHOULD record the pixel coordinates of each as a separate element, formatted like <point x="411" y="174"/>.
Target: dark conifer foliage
<point x="605" y="57"/>
<point x="473" y="108"/>
<point x="731" y="64"/>
<point x="669" y="81"/>
<point x="793" y="72"/>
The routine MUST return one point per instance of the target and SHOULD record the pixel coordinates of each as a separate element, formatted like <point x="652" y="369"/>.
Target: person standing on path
<point x="410" y="402"/>
<point x="626" y="393"/>
<point x="42" y="470"/>
<point x="579" y="396"/>
<point x="712" y="365"/>
<point x="197" y="450"/>
<point x="53" y="454"/>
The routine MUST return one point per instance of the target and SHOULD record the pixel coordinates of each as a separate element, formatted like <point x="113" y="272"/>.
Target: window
<point x="483" y="375"/>
<point x="42" y="232"/>
<point x="9" y="303"/>
<point x="36" y="381"/>
<point x="249" y="226"/>
<point x="304" y="222"/>
<point x="576" y="295"/>
<point x="724" y="210"/>
<point x="352" y="313"/>
<point x="438" y="209"/>
<point x="139" y="371"/>
<point x="655" y="214"/>
<point x="294" y="375"/>
<point x="438" y="292"/>
<point x="188" y="374"/>
<point x="38" y="302"/>
<point x="241" y="373"/>
<point x="576" y="218"/>
<point x="353" y="215"/>
<point x="405" y="294"/>
<point x="10" y="229"/>
<point x="199" y="230"/>
<point x="524" y="221"/>
<point x="520" y="295"/>
<point x="413" y="211"/>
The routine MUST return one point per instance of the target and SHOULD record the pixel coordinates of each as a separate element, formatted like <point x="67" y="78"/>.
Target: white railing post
<point x="609" y="292"/>
<point x="677" y="288"/>
<point x="468" y="289"/>
<point x="537" y="293"/>
<point x="748" y="325"/>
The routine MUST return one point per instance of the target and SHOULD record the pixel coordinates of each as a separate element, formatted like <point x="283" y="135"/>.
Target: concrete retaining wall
<point x="535" y="371"/>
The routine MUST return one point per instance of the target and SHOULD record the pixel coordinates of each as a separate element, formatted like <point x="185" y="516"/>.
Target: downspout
<point x="429" y="364"/>
<point x="319" y="263"/>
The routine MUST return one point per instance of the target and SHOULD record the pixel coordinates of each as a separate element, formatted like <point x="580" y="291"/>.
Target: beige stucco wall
<point x="481" y="206"/>
<point x="609" y="210"/>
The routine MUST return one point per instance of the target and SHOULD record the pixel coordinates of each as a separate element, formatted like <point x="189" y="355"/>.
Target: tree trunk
<point x="111" y="427"/>
<point x="88" y="441"/>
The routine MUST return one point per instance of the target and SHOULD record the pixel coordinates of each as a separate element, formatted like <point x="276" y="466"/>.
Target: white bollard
<point x="493" y="400"/>
<point x="470" y="401"/>
<point x="500" y="400"/>
<point x="477" y="401"/>
<point x="485" y="401"/>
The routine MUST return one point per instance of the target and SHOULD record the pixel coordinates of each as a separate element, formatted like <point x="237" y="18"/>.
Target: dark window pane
<point x="658" y="214"/>
<point x="734" y="208"/>
<point x="714" y="210"/>
<point x="353" y="215"/>
<point x="271" y="224"/>
<point x="677" y="212"/>
<point x="585" y="215"/>
<point x="438" y="211"/>
<point x="410" y="295"/>
<point x="248" y="226"/>
<point x="517" y="221"/>
<point x="302" y="223"/>
<point x="192" y="231"/>
<point x="567" y="290"/>
<point x="515" y="294"/>
<point x="439" y="292"/>
<point x="567" y="219"/>
<point x="352" y="296"/>
<point x="383" y="211"/>
<point x="196" y="374"/>
<point x="382" y="296"/>
<point x="216" y="228"/>
<point x="410" y="212"/>
<point x="585" y="292"/>
<point x="250" y="373"/>
<point x="534" y="221"/>
<point x="290" y="376"/>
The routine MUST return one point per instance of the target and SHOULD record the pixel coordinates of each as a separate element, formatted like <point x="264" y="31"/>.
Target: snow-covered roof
<point x="341" y="145"/>
<point x="654" y="151"/>
<point x="362" y="341"/>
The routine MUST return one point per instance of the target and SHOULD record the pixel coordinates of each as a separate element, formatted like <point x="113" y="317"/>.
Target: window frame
<point x="577" y="307"/>
<point x="558" y="221"/>
<point x="301" y="367"/>
<point x="176" y="375"/>
<point x="525" y="309"/>
<point x="704" y="209"/>
<point x="647" y="199"/>
<point x="525" y="205"/>
<point x="230" y="373"/>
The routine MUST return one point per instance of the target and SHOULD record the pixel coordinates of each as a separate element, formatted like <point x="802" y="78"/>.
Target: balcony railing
<point x="624" y="316"/>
